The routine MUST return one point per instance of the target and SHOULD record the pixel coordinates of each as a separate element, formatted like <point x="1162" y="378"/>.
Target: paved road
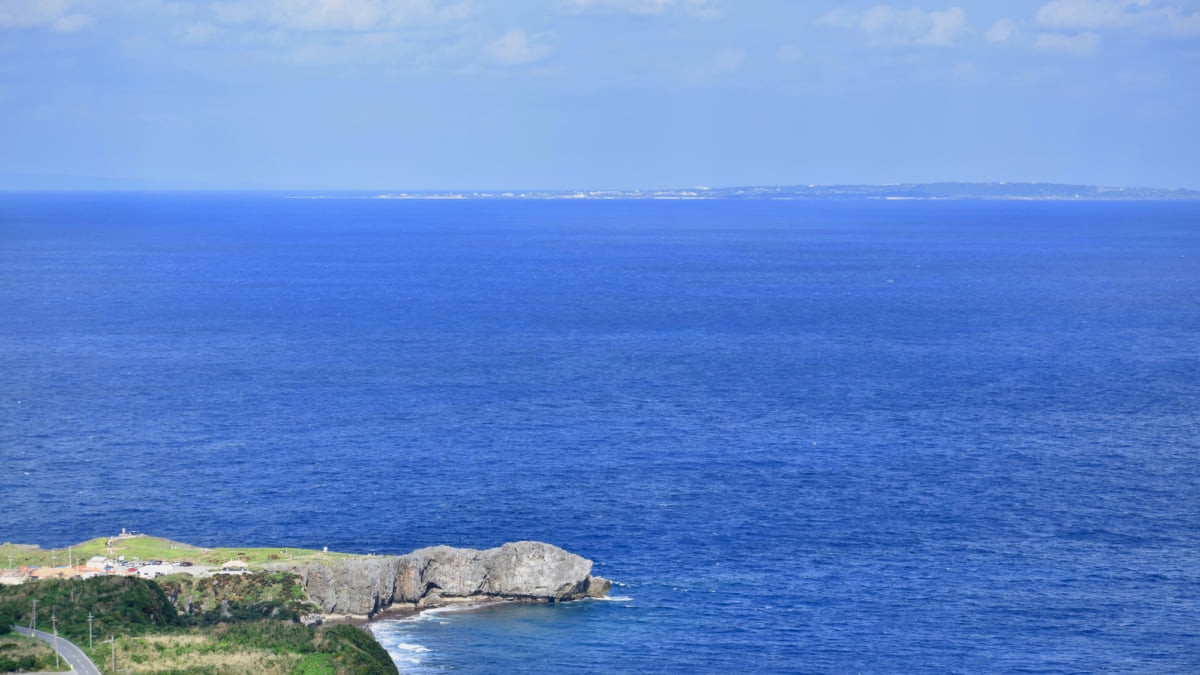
<point x="70" y="653"/>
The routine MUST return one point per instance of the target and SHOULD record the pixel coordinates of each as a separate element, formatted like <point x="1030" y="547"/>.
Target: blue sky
<point x="484" y="94"/>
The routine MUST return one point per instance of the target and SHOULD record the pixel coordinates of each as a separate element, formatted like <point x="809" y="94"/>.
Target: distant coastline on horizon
<point x="1002" y="190"/>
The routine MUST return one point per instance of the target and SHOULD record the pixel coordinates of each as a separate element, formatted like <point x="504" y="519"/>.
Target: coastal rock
<point x="533" y="570"/>
<point x="355" y="586"/>
<point x="598" y="587"/>
<point x="455" y="572"/>
<point x="439" y="575"/>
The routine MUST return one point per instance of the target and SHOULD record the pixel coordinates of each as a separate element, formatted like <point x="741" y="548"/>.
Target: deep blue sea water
<point x="802" y="436"/>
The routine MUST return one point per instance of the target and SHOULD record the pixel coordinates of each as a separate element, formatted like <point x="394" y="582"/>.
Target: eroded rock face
<point x="530" y="569"/>
<point x="359" y="586"/>
<point x="438" y="575"/>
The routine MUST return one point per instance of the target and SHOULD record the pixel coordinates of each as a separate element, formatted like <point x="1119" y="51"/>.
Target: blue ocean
<point x="801" y="437"/>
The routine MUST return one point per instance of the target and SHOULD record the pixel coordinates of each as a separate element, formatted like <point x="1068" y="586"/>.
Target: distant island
<point x="901" y="191"/>
<point x="1002" y="190"/>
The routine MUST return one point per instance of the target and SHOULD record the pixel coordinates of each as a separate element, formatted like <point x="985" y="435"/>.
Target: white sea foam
<point x="408" y="656"/>
<point x="412" y="648"/>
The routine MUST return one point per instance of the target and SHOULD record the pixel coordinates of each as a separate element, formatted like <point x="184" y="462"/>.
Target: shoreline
<point x="330" y="590"/>
<point x="412" y="610"/>
<point x="346" y="588"/>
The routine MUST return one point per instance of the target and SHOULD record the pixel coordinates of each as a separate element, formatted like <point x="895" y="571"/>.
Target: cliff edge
<point x="440" y="575"/>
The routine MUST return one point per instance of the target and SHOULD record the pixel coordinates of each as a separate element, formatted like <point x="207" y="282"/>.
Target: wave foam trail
<point x="404" y="646"/>
<point x="408" y="656"/>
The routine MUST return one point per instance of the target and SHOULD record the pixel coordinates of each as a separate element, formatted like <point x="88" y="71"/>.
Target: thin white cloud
<point x="515" y="48"/>
<point x="1183" y="25"/>
<point x="199" y="33"/>
<point x="724" y="62"/>
<point x="337" y="15"/>
<point x="418" y="33"/>
<point x="840" y="18"/>
<point x="728" y="60"/>
<point x="948" y="27"/>
<point x="1149" y="17"/>
<point x="57" y="15"/>
<point x="72" y="23"/>
<point x="1004" y="30"/>
<point x="887" y="26"/>
<point x="699" y="8"/>
<point x="1078" y="44"/>
<point x="789" y="54"/>
<point x="1087" y="14"/>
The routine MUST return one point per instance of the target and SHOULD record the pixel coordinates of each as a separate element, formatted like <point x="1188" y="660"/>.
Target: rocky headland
<point x="268" y="610"/>
<point x="363" y="587"/>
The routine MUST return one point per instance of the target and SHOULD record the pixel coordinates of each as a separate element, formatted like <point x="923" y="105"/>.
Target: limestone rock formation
<point x="440" y="575"/>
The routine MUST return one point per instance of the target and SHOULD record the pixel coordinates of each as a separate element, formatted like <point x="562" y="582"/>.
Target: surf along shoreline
<point x="322" y="587"/>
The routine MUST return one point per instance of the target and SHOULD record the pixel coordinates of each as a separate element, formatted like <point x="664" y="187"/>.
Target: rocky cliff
<point x="442" y="575"/>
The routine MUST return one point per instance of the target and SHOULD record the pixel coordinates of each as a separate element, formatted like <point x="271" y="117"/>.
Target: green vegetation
<point x="184" y="625"/>
<point x="238" y="597"/>
<point x="142" y="547"/>
<point x="23" y="654"/>
<point x="126" y="605"/>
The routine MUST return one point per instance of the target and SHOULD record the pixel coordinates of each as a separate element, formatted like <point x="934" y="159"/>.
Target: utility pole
<point x="112" y="641"/>
<point x="33" y="622"/>
<point x="90" y="645"/>
<point x="54" y="623"/>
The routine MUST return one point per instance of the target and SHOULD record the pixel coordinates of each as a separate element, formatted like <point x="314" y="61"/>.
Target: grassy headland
<point x="142" y="547"/>
<point x="200" y="626"/>
<point x="184" y="624"/>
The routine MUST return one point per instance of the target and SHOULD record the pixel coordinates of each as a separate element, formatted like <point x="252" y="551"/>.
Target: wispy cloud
<point x="319" y="32"/>
<point x="337" y="15"/>
<point x="1146" y="16"/>
<point x="699" y="8"/>
<point x="1088" y="14"/>
<point x="1004" y="30"/>
<point x="515" y="48"/>
<point x="199" y="33"/>
<point x="789" y="54"/>
<point x="722" y="63"/>
<point x="1078" y="44"/>
<point x="57" y="15"/>
<point x="886" y="26"/>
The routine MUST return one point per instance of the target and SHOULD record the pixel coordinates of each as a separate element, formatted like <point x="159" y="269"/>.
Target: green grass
<point x="316" y="664"/>
<point x="20" y="653"/>
<point x="144" y="547"/>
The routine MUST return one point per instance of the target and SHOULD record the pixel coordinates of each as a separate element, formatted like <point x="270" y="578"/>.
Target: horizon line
<point x="582" y="191"/>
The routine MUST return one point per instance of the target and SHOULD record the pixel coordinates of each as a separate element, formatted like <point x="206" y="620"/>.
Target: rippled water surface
<point x="802" y="436"/>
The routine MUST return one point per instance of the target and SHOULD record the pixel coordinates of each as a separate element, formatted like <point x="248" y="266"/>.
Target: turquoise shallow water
<point x="802" y="436"/>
